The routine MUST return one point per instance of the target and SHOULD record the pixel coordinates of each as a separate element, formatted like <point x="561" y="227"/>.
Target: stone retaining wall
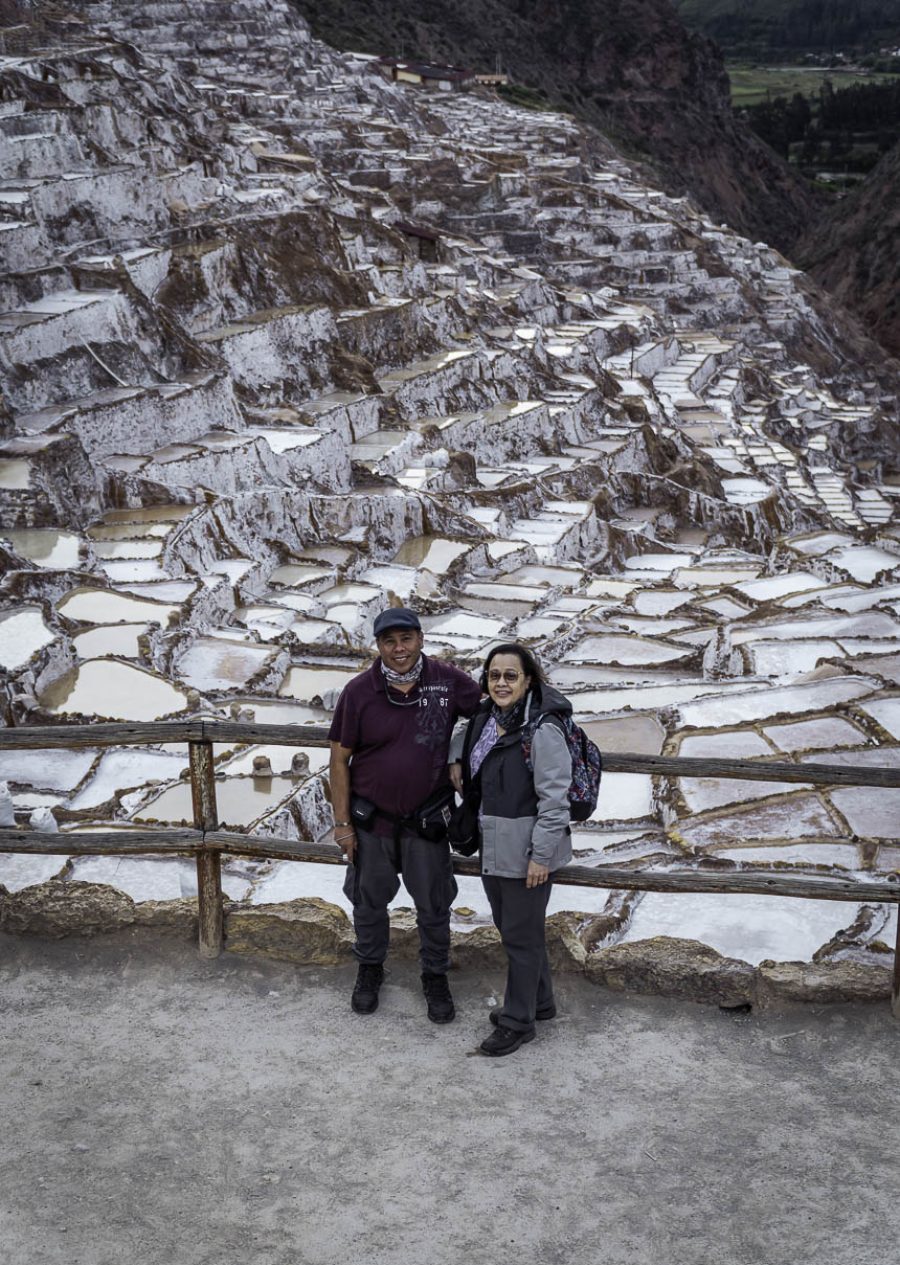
<point x="316" y="932"/>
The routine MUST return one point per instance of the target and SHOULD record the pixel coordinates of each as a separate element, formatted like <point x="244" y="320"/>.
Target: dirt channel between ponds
<point x="162" y="1109"/>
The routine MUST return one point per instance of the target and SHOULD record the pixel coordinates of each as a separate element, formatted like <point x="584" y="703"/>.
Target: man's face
<point x="400" y="648"/>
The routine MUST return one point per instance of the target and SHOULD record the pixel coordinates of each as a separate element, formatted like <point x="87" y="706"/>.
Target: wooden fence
<point x="207" y="842"/>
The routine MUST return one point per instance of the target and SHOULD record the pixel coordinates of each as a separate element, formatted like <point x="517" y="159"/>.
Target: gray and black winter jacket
<point x="524" y="815"/>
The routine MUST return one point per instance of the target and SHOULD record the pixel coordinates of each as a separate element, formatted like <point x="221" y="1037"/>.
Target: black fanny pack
<point x="430" y="820"/>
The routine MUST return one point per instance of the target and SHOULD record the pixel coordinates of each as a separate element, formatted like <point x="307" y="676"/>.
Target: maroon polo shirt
<point x="400" y="742"/>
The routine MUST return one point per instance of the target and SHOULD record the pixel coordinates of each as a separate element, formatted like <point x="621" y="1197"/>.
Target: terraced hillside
<point x="282" y="342"/>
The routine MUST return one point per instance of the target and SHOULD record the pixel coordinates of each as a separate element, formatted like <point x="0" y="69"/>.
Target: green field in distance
<point x="752" y="84"/>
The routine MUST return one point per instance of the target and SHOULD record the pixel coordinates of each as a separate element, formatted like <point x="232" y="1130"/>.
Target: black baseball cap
<point x="396" y="617"/>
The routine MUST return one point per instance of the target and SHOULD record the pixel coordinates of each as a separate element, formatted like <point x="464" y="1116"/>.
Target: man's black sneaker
<point x="437" y="995"/>
<point x="545" y="1012"/>
<point x="369" y="979"/>
<point x="505" y="1041"/>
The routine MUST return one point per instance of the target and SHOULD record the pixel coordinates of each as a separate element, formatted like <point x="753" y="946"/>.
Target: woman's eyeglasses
<point x="509" y="675"/>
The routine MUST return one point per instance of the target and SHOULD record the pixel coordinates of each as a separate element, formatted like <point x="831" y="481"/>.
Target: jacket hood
<point x="551" y="701"/>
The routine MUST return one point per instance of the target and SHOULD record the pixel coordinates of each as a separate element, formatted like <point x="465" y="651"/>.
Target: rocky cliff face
<point x="854" y="251"/>
<point x="628" y="66"/>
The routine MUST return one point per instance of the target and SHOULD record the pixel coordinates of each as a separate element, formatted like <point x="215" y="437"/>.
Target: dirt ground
<point x="161" y="1110"/>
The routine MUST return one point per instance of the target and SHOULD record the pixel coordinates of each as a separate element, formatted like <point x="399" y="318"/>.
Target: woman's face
<point x="507" y="682"/>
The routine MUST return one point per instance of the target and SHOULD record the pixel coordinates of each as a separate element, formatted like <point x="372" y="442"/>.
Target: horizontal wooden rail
<point x="265" y="847"/>
<point x="754" y="770"/>
<point x="100" y="842"/>
<point x="232" y="731"/>
<point x="114" y="734"/>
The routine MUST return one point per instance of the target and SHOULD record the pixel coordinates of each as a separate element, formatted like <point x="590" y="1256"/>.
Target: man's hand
<point x="456" y="776"/>
<point x="345" y="838"/>
<point x="537" y="874"/>
<point x="339" y="779"/>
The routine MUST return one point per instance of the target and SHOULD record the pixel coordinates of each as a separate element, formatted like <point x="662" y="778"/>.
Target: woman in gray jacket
<point x="523" y="817"/>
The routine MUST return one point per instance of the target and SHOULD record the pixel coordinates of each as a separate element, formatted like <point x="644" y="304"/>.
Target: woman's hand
<point x="456" y="776"/>
<point x="537" y="874"/>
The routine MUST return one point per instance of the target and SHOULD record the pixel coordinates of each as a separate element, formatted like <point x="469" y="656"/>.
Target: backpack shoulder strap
<point x="531" y="729"/>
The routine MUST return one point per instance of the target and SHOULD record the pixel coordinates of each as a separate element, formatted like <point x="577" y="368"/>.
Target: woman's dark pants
<point x="519" y="914"/>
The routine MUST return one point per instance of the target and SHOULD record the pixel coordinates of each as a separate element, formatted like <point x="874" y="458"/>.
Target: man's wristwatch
<point x="343" y="823"/>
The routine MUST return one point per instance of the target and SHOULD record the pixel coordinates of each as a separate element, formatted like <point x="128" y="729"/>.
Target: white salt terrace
<point x="211" y="489"/>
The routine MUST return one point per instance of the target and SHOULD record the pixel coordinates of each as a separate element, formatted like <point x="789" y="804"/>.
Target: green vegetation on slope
<point x="846" y="131"/>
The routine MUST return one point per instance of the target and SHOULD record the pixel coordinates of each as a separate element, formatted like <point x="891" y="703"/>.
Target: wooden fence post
<point x="209" y="860"/>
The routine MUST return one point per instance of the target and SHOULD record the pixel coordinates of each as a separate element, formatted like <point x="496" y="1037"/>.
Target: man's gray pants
<point x="373" y="881"/>
<point x="519" y="914"/>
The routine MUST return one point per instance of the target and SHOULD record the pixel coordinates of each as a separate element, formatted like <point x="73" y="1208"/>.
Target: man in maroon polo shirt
<point x="390" y="739"/>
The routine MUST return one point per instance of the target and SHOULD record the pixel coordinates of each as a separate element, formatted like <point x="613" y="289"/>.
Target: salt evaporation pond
<point x="152" y="878"/>
<point x="750" y="928"/>
<point x="739" y="744"/>
<point x="746" y="491"/>
<point x="809" y="735"/>
<point x="864" y="562"/>
<point x="625" y="650"/>
<point x="870" y="811"/>
<point x="782" y="658"/>
<point x="15" y="474"/>
<point x="212" y="664"/>
<point x="49" y="770"/>
<point x="792" y="817"/>
<point x="105" y="606"/>
<point x="127" y="770"/>
<point x="19" y="870"/>
<point x="875" y="624"/>
<point x="659" y="563"/>
<point x="240" y="801"/>
<point x="652" y="698"/>
<point x="129" y="549"/>
<point x="704" y="793"/>
<point x="624" y="797"/>
<point x="116" y="691"/>
<point x="809" y="697"/>
<point x="819" y="543"/>
<point x="280" y="759"/>
<point x="431" y="553"/>
<point x="844" y="855"/>
<point x="887" y="712"/>
<point x="110" y="639"/>
<point x="45" y="547"/>
<point x="272" y="711"/>
<point x="309" y="683"/>
<point x="22" y="634"/>
<point x="653" y="602"/>
<point x="775" y="586"/>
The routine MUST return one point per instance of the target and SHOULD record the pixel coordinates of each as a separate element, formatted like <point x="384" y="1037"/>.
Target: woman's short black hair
<point x="530" y="665"/>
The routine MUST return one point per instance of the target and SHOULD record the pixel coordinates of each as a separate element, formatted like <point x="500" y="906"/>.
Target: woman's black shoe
<point x="505" y="1040"/>
<point x="369" y="979"/>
